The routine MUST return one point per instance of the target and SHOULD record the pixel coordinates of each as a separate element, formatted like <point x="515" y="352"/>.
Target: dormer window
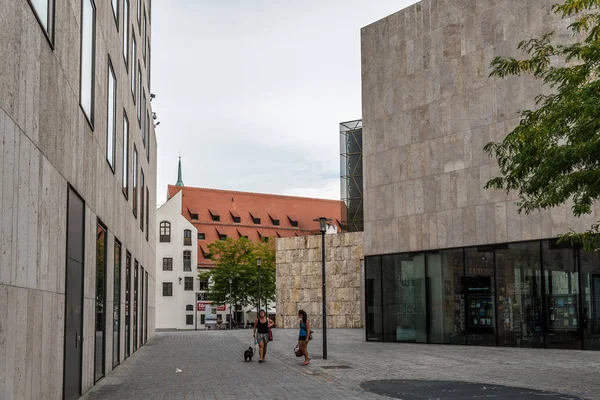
<point x="236" y="217"/>
<point x="215" y="215"/>
<point x="201" y="236"/>
<point x="293" y="221"/>
<point x="255" y="218"/>
<point x="274" y="220"/>
<point x="222" y="237"/>
<point x="194" y="217"/>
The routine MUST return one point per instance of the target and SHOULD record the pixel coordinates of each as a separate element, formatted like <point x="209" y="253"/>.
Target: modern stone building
<point x="446" y="260"/>
<point x="77" y="184"/>
<point x="299" y="280"/>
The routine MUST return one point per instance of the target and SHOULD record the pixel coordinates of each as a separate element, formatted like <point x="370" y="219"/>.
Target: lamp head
<point x="258" y="262"/>
<point x="322" y="223"/>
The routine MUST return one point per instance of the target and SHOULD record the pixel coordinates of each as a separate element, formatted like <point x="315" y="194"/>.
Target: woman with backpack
<point x="304" y="335"/>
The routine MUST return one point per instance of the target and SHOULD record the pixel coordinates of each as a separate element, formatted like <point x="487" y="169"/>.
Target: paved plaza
<point x="212" y="367"/>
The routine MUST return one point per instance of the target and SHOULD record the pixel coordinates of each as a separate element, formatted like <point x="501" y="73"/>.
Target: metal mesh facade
<point x="351" y="175"/>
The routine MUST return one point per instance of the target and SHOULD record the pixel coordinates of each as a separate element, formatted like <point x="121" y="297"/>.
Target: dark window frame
<point x="126" y="34"/>
<point x="166" y="237"/>
<point x="189" y="307"/>
<point x="142" y="205"/>
<point x="100" y="225"/>
<point x="140" y="89"/>
<point x="222" y="237"/>
<point x="167" y="264"/>
<point x="256" y="221"/>
<point x="204" y="284"/>
<point x="188" y="283"/>
<point x="147" y="212"/>
<point x="89" y="118"/>
<point x="117" y="301"/>
<point x="189" y="319"/>
<point x="201" y="236"/>
<point x="167" y="289"/>
<point x="187" y="234"/>
<point x="132" y="63"/>
<point x="187" y="256"/>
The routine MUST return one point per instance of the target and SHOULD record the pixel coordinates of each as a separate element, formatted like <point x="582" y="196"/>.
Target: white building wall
<point x="171" y="310"/>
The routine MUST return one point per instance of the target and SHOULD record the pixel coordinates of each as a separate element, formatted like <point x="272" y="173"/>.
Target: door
<point x="74" y="297"/>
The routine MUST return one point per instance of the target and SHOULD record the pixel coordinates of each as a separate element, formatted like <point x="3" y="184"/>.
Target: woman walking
<point x="261" y="334"/>
<point x="304" y="335"/>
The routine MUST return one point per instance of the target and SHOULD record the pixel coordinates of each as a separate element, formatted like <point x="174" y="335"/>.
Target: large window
<point x="187" y="260"/>
<point x="125" y="155"/>
<point x="100" y="319"/>
<point x="167" y="289"/>
<point x="528" y="294"/>
<point x="111" y="121"/>
<point x="148" y="130"/>
<point x="135" y="180"/>
<point x="88" y="47"/>
<point x="132" y="61"/>
<point x="144" y="125"/>
<point x="165" y="231"/>
<point x="147" y="211"/>
<point x="136" y="302"/>
<point x="142" y="209"/>
<point x="187" y="237"/>
<point x="126" y="32"/>
<point x="167" y="264"/>
<point x="139" y="95"/>
<point x="117" y="306"/>
<point x="188" y="283"/>
<point x="44" y="11"/>
<point x="189" y="319"/>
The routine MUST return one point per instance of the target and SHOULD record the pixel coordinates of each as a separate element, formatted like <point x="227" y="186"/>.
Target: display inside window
<point x="480" y="303"/>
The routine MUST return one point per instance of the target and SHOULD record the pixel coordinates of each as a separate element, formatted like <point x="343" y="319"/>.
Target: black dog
<point x="248" y="354"/>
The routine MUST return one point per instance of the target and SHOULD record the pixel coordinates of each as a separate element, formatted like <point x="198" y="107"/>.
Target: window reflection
<point x="590" y="318"/>
<point x="88" y="18"/>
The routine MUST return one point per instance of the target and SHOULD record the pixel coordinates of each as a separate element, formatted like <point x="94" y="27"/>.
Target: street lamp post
<point x="230" y="317"/>
<point x="323" y="228"/>
<point x="258" y="263"/>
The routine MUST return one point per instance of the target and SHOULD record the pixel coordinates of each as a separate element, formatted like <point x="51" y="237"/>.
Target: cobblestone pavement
<point x="212" y="367"/>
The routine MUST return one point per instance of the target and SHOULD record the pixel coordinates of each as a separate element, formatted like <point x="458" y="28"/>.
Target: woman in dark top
<point x="304" y="335"/>
<point x="261" y="334"/>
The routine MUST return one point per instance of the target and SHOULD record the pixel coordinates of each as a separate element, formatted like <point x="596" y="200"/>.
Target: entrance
<point x="74" y="296"/>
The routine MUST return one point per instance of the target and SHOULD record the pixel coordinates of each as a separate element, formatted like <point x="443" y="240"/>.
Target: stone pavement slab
<point x="212" y="367"/>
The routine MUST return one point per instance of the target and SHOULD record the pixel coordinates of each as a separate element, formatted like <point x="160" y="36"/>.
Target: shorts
<point x="302" y="338"/>
<point x="262" y="337"/>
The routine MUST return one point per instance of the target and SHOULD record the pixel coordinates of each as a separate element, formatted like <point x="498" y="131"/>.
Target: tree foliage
<point x="235" y="260"/>
<point x="553" y="155"/>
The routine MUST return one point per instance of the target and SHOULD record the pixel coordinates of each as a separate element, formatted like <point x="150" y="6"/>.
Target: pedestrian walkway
<point x="209" y="365"/>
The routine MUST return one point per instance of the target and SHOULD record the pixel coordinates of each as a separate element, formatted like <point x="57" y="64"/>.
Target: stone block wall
<point x="429" y="108"/>
<point x="299" y="284"/>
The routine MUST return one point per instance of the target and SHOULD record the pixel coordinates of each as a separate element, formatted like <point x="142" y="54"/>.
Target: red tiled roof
<point x="246" y="205"/>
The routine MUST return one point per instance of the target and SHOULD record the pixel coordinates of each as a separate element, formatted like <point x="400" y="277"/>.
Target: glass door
<point x="590" y="318"/>
<point x="479" y="292"/>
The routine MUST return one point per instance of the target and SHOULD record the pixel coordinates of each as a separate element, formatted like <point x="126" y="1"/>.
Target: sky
<point x="251" y="93"/>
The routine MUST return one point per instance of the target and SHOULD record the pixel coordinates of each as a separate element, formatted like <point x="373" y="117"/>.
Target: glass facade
<point x="351" y="175"/>
<point x="530" y="294"/>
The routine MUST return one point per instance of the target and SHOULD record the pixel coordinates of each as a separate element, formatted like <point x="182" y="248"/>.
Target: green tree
<point x="553" y="155"/>
<point x="235" y="260"/>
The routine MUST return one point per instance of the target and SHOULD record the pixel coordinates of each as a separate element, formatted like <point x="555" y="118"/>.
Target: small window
<point x="189" y="307"/>
<point x="189" y="283"/>
<point x="201" y="236"/>
<point x="44" y="11"/>
<point x="167" y="289"/>
<point x="204" y="284"/>
<point x="187" y="261"/>
<point x="202" y="319"/>
<point x="264" y="239"/>
<point x="167" y="264"/>
<point x="187" y="237"/>
<point x="256" y="220"/>
<point x="222" y="237"/>
<point x="294" y="224"/>
<point x="194" y="217"/>
<point x="276" y="222"/>
<point x="216" y="218"/>
<point x="165" y="231"/>
<point x="189" y="319"/>
<point x="237" y="220"/>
